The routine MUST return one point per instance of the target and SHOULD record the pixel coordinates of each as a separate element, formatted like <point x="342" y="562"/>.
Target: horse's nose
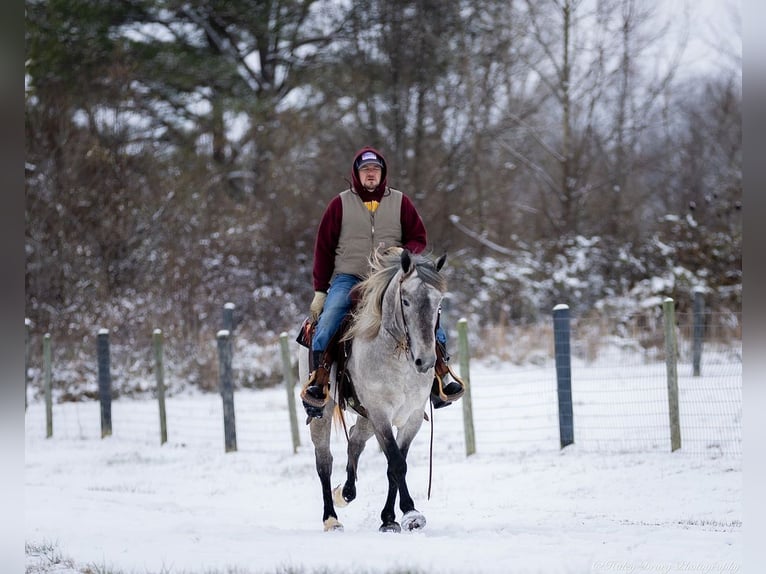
<point x="422" y="364"/>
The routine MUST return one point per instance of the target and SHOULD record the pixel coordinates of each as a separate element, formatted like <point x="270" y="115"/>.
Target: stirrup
<point x="311" y="400"/>
<point x="450" y="398"/>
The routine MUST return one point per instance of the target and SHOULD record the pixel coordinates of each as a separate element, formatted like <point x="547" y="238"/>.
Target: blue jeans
<point x="335" y="308"/>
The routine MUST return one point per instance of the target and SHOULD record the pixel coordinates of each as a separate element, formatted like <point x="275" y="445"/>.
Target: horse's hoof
<point x="349" y="492"/>
<point x="332" y="525"/>
<point x="413" y="520"/>
<point x="337" y="497"/>
<point x="390" y="527"/>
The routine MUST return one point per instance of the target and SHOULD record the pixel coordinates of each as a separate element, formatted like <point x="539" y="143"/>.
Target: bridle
<point x="402" y="345"/>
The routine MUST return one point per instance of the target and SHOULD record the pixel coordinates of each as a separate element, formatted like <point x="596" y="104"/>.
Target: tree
<point x="595" y="65"/>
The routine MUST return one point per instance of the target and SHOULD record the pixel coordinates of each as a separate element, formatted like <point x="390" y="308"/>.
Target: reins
<point x="431" y="450"/>
<point x="402" y="346"/>
<point x="407" y="348"/>
<point x="407" y="340"/>
<point x="405" y="345"/>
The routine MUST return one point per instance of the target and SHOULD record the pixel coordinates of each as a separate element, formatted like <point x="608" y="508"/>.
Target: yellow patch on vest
<point x="372" y="205"/>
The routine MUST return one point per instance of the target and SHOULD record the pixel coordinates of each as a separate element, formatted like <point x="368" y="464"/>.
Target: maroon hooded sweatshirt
<point x="413" y="231"/>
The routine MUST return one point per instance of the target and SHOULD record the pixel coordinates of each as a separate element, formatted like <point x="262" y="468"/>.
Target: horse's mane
<point x="384" y="265"/>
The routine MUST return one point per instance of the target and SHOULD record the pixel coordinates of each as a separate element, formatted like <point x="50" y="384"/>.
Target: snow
<point x="125" y="503"/>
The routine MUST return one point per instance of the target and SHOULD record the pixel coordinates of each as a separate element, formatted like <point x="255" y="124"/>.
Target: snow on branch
<point x="478" y="237"/>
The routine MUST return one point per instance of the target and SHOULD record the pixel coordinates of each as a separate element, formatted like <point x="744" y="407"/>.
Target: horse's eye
<point x="405" y="302"/>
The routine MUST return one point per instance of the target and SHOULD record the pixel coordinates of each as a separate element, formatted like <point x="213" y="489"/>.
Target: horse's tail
<point x="339" y="420"/>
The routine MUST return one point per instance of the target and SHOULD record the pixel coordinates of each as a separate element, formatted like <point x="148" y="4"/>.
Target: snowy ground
<point x="125" y="504"/>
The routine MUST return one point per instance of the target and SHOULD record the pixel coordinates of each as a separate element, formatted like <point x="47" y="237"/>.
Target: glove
<point x="317" y="304"/>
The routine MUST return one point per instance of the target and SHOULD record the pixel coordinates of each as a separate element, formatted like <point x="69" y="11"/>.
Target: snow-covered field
<point x="616" y="501"/>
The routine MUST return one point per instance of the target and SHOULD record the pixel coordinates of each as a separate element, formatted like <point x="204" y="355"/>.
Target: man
<point x="367" y="216"/>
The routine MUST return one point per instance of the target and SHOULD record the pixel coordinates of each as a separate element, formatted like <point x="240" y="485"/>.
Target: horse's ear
<point x="406" y="261"/>
<point x="440" y="262"/>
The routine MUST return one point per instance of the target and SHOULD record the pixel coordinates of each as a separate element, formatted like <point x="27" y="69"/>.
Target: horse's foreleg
<point x="358" y="436"/>
<point x="320" y="436"/>
<point x="397" y="469"/>
<point x="411" y="519"/>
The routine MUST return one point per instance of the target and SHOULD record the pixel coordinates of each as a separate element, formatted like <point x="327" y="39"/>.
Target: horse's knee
<point x="323" y="458"/>
<point x="397" y="466"/>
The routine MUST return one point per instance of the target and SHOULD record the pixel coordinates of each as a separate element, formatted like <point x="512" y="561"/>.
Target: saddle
<point x="338" y="351"/>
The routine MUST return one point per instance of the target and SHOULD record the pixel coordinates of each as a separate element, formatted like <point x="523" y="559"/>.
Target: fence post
<point x="227" y="390"/>
<point x="228" y="317"/>
<point x="287" y="373"/>
<point x="27" y="325"/>
<point x="470" y="434"/>
<point x="561" y="337"/>
<point x="160" y="375"/>
<point x="47" y="385"/>
<point x="104" y="382"/>
<point x="669" y="313"/>
<point x="699" y="330"/>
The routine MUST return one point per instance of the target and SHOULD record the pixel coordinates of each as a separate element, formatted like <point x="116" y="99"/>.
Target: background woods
<point x="180" y="153"/>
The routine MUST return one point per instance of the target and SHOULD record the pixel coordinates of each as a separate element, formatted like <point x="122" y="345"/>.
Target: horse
<point x="391" y="366"/>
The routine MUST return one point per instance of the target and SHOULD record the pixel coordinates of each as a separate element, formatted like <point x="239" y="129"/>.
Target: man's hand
<point x="392" y="250"/>
<point x="317" y="304"/>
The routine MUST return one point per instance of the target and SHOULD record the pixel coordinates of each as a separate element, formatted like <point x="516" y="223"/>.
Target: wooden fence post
<point x="561" y="337"/>
<point x="160" y="376"/>
<point x="227" y="390"/>
<point x="104" y="382"/>
<point x="287" y="373"/>
<point x="671" y="351"/>
<point x="698" y="330"/>
<point x="470" y="433"/>
<point x="27" y="325"/>
<point x="47" y="385"/>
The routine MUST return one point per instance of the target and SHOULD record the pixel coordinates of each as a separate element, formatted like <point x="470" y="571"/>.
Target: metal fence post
<point x="47" y="385"/>
<point x="104" y="382"/>
<point x="157" y="343"/>
<point x="228" y="317"/>
<point x="698" y="330"/>
<point x="470" y="433"/>
<point x="227" y="390"/>
<point x="287" y="373"/>
<point x="561" y="337"/>
<point x="671" y="352"/>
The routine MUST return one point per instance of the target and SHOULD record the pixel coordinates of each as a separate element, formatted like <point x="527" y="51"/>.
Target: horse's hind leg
<point x="358" y="436"/>
<point x="320" y="436"/>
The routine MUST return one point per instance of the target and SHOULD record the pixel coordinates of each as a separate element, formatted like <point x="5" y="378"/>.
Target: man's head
<point x="369" y="169"/>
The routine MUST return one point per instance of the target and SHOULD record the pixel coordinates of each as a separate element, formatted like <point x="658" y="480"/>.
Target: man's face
<point x="370" y="176"/>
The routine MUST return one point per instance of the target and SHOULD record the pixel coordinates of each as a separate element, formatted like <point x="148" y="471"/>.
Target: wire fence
<point x="619" y="400"/>
<point x="620" y="392"/>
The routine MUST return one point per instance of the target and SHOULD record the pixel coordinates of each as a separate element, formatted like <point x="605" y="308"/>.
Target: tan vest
<point x="362" y="231"/>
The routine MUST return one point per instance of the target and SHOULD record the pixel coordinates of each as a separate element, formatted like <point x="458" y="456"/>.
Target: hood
<point x="355" y="173"/>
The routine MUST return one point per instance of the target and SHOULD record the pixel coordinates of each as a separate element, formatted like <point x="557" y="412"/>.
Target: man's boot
<point x="444" y="393"/>
<point x="317" y="389"/>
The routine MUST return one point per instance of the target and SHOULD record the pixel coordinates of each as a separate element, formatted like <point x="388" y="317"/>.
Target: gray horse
<point x="391" y="365"/>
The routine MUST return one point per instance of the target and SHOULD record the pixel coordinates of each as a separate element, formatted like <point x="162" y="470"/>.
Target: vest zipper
<point x="372" y="227"/>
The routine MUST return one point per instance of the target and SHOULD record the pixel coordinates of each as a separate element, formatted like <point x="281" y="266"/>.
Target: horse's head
<point x="413" y="303"/>
<point x="406" y="258"/>
<point x="400" y="301"/>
